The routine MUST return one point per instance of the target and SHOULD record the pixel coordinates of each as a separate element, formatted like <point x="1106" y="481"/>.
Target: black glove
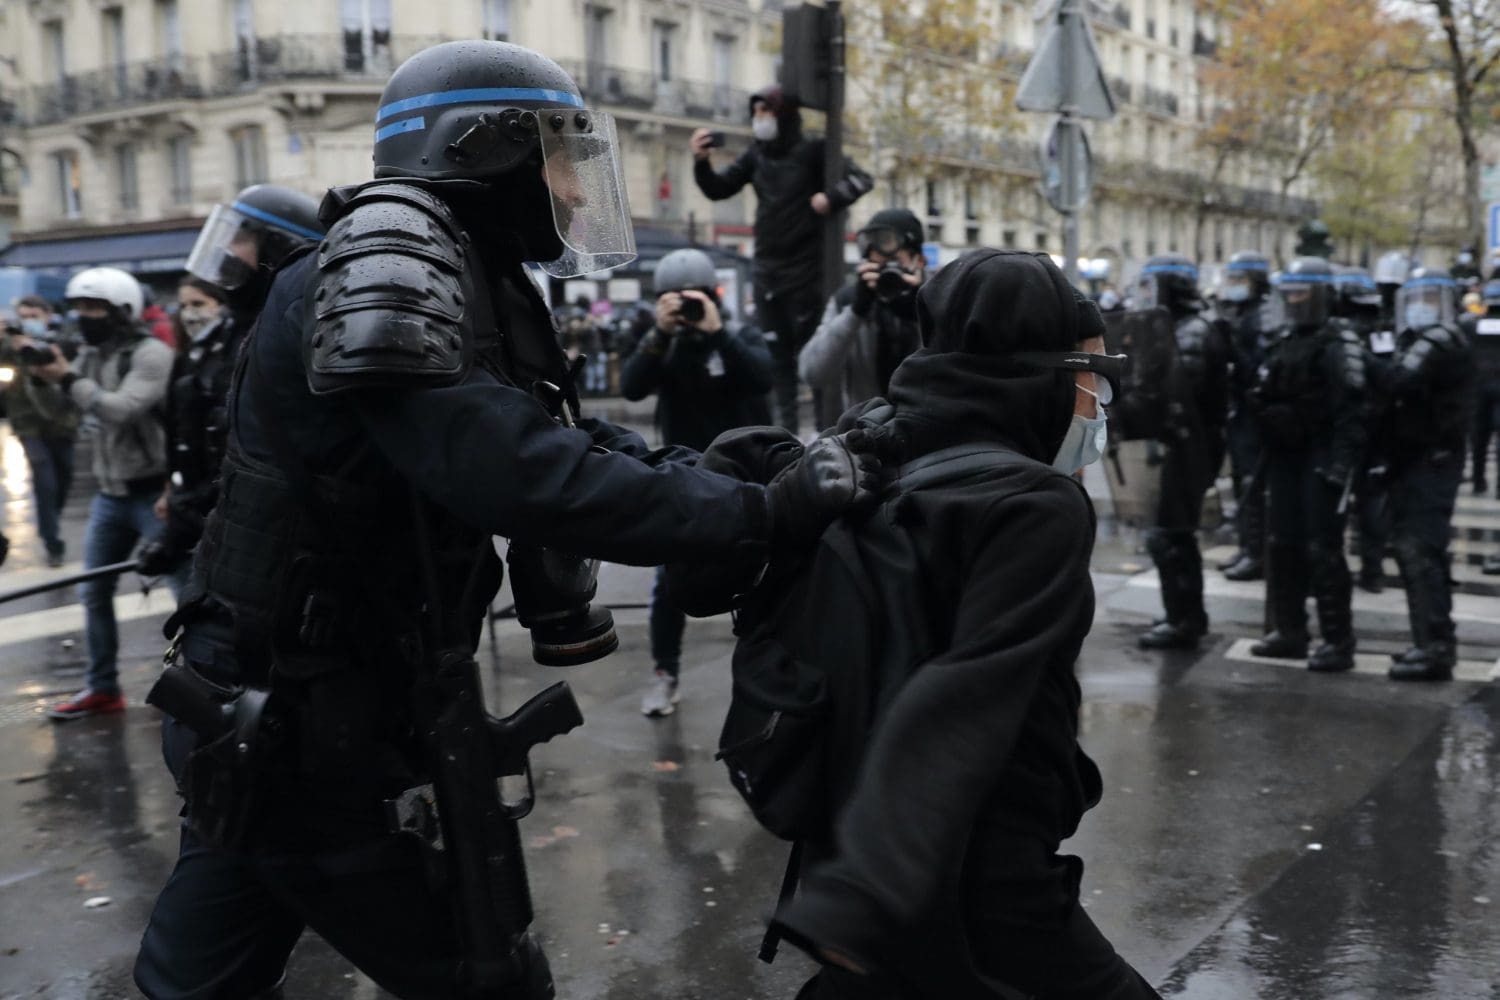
<point x="864" y="298"/>
<point x="158" y="557"/>
<point x="833" y="475"/>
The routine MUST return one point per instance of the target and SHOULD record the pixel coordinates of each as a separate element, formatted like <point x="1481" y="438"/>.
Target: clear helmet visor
<point x="1301" y="303"/>
<point x="1424" y="303"/>
<point x="589" y="205"/>
<point x="227" y="249"/>
<point x="1147" y="292"/>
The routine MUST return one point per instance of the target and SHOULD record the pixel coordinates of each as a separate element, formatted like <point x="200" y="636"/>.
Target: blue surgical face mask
<point x="765" y="129"/>
<point x="1084" y="443"/>
<point x="33" y="327"/>
<point x="1421" y="315"/>
<point x="1235" y="293"/>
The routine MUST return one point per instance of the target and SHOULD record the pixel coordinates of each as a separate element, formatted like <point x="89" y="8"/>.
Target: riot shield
<point x="1146" y="336"/>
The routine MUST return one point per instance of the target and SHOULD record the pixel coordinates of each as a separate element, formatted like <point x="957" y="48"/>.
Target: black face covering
<point x="97" y="330"/>
<point x="247" y="297"/>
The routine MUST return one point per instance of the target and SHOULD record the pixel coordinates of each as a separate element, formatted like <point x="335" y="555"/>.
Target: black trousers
<point x="1424" y="493"/>
<point x="1306" y="544"/>
<point x="1187" y="471"/>
<point x="1244" y="460"/>
<point x="792" y="315"/>
<point x="1486" y="425"/>
<point x="226" y="920"/>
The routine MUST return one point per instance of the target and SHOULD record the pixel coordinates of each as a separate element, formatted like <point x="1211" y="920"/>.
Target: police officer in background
<point x="1311" y="395"/>
<point x="1431" y="390"/>
<point x="1192" y="448"/>
<point x="239" y="249"/>
<point x="1244" y="285"/>
<point x="1359" y="305"/>
<point x="1484" y="332"/>
<point x="402" y="400"/>
<point x="709" y="376"/>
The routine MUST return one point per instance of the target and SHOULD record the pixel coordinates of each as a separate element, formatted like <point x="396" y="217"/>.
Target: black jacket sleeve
<point x="492" y="455"/>
<point x="852" y="185"/>
<point x="717" y="185"/>
<point x="1025" y="605"/>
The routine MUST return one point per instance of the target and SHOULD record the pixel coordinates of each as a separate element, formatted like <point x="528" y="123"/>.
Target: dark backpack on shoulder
<point x="823" y="648"/>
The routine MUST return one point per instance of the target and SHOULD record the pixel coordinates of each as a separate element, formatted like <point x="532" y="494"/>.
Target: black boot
<point x="1333" y="591"/>
<point x="1429" y="602"/>
<point x="1432" y="663"/>
<point x="1240" y="556"/>
<point x="1180" y="568"/>
<point x="1372" y="581"/>
<point x="1286" y="590"/>
<point x="1280" y="646"/>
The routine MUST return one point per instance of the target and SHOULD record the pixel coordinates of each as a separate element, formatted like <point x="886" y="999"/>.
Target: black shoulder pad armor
<point x="390" y="304"/>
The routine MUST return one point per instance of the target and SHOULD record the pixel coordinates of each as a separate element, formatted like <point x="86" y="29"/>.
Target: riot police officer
<point x="1359" y="305"/>
<point x="238" y="250"/>
<point x="1242" y="295"/>
<point x="402" y="400"/>
<point x="1484" y="331"/>
<point x="1311" y="396"/>
<point x="1431" y="389"/>
<point x="1192" y="448"/>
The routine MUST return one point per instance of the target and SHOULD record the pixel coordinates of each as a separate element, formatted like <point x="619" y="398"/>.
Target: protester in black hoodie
<point x="973" y="776"/>
<point x="787" y="172"/>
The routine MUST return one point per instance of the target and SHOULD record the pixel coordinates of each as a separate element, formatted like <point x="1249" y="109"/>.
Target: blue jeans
<point x="667" y="624"/>
<point x="51" y="461"/>
<point x="116" y="526"/>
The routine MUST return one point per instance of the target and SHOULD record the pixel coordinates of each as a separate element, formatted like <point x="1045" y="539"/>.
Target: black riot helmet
<point x="513" y="120"/>
<point x="1246" y="278"/>
<point x="1356" y="293"/>
<point x="686" y="269"/>
<point x="1169" y="281"/>
<point x="244" y="241"/>
<point x="1314" y="239"/>
<point x="1304" y="294"/>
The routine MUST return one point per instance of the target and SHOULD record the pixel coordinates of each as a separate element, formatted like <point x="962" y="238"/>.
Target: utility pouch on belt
<point x="234" y="733"/>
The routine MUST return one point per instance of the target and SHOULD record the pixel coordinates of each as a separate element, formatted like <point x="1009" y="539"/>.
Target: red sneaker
<point x="86" y="703"/>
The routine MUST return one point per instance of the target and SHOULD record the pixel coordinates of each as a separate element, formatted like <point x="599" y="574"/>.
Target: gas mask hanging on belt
<point x="554" y="590"/>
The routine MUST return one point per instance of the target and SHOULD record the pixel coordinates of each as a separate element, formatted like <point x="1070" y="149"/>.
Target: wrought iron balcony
<point x="1162" y="102"/>
<point x="614" y="87"/>
<point x="114" y="88"/>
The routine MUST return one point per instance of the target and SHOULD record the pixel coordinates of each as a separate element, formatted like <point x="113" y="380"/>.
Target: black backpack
<point x="823" y="648"/>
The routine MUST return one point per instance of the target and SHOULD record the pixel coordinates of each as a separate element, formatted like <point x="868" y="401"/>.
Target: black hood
<point x="963" y="385"/>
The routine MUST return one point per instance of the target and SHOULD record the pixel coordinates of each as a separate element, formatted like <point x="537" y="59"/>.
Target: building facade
<point x="126" y="120"/>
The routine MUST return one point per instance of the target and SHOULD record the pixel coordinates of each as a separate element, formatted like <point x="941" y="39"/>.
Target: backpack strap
<point x="951" y="464"/>
<point x="772" y="941"/>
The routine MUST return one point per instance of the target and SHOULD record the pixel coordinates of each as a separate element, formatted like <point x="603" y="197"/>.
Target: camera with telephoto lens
<point x="891" y="280"/>
<point x="691" y="311"/>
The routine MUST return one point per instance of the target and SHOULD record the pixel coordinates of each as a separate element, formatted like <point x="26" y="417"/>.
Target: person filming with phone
<point x="786" y="170"/>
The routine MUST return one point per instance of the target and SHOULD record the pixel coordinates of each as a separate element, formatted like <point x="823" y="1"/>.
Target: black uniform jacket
<point x="493" y="456"/>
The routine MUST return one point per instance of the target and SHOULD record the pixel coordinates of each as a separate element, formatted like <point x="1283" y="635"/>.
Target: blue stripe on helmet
<point x="276" y="220"/>
<point x="1357" y="280"/>
<point x="478" y="95"/>
<point x="1191" y="272"/>
<point x="1304" y="279"/>
<point x="1434" y="280"/>
<point x="416" y="124"/>
<point x="1258" y="266"/>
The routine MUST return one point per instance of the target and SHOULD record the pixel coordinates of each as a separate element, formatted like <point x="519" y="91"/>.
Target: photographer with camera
<point x="709" y="377"/>
<point x="870" y="325"/>
<point x="41" y="416"/>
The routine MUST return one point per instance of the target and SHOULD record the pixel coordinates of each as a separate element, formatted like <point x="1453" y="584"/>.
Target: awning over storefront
<point x="140" y="253"/>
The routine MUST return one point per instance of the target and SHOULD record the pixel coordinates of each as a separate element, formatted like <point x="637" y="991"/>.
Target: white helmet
<point x="110" y="284"/>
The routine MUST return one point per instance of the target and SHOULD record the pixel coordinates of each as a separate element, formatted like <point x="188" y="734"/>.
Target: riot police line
<point x="1340" y="395"/>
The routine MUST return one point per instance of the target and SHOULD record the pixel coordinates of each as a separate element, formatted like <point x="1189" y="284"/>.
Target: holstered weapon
<point x="223" y="774"/>
<point x="469" y="829"/>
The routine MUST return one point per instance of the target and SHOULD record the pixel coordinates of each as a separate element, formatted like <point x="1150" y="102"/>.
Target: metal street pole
<point x="1067" y="9"/>
<point x="833" y="150"/>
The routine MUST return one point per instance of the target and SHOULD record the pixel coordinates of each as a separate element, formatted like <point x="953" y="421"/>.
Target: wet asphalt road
<point x="1265" y="832"/>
